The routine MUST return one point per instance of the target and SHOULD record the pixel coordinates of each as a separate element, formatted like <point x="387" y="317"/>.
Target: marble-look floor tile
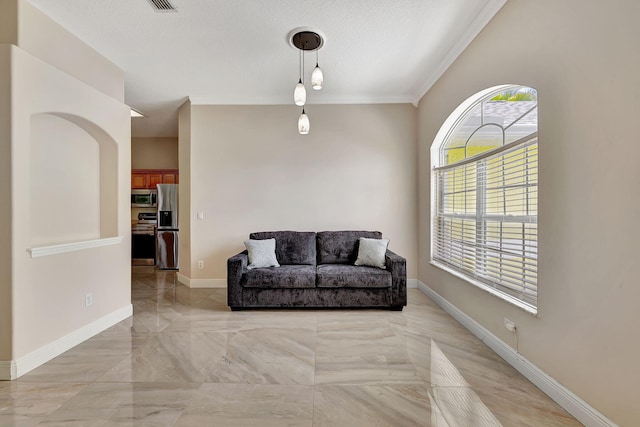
<point x="464" y="364"/>
<point x="27" y="403"/>
<point x="249" y="405"/>
<point x="73" y="369"/>
<point x="378" y="405"/>
<point x="194" y="299"/>
<point x="452" y="366"/>
<point x="350" y="352"/>
<point x="278" y="320"/>
<point x="107" y="345"/>
<point x="185" y="359"/>
<point x="461" y="406"/>
<point x="207" y="322"/>
<point x="148" y="285"/>
<point x="491" y="407"/>
<point x="125" y="404"/>
<point x="171" y="357"/>
<point x="267" y="356"/>
<point x="144" y="323"/>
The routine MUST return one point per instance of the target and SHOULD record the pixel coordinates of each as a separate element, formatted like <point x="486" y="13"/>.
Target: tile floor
<point x="184" y="359"/>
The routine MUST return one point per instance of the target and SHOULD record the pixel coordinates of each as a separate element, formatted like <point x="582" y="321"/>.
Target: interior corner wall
<point x="184" y="196"/>
<point x="583" y="58"/>
<point x="44" y="38"/>
<point x="8" y="22"/>
<point x="48" y="292"/>
<point x="154" y="153"/>
<point x="47" y="72"/>
<point x="251" y="171"/>
<point x="5" y="204"/>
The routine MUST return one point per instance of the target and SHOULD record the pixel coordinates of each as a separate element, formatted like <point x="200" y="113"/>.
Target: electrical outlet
<point x="509" y="325"/>
<point x="201" y="264"/>
<point x="201" y="215"/>
<point x="88" y="300"/>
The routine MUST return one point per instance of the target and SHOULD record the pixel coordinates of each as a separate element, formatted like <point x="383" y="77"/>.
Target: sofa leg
<point x="236" y="308"/>
<point x="396" y="308"/>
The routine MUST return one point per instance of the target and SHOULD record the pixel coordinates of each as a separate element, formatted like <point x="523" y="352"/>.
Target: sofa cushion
<point x="350" y="276"/>
<point x="340" y="247"/>
<point x="261" y="253"/>
<point x="292" y="247"/>
<point x="286" y="276"/>
<point x="371" y="252"/>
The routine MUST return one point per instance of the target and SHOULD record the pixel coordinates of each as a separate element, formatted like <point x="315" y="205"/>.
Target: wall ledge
<point x="73" y="246"/>
<point x="12" y="369"/>
<point x="573" y="404"/>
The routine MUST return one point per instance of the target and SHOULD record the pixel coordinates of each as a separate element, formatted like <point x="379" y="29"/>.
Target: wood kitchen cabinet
<point x="155" y="178"/>
<point x="138" y="180"/>
<point x="148" y="178"/>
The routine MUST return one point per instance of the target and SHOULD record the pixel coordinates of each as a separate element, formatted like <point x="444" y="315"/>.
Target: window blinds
<point x="485" y="219"/>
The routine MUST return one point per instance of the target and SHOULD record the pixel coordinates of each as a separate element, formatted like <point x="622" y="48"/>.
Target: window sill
<point x="73" y="246"/>
<point x="503" y="296"/>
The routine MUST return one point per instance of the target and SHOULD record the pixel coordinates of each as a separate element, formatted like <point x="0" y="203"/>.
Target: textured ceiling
<point x="237" y="51"/>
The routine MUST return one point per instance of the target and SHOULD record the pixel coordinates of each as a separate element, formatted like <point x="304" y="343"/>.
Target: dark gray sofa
<point x="317" y="271"/>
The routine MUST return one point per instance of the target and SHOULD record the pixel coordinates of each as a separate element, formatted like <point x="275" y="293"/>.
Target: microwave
<point x="144" y="198"/>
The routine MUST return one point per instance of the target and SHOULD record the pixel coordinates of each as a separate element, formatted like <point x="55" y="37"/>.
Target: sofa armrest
<point x="397" y="265"/>
<point x="236" y="266"/>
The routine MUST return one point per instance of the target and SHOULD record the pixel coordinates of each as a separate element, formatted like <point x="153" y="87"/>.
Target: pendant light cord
<point x="300" y="67"/>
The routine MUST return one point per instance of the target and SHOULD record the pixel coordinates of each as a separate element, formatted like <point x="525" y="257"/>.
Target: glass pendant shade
<point x="317" y="78"/>
<point x="303" y="123"/>
<point x="300" y="94"/>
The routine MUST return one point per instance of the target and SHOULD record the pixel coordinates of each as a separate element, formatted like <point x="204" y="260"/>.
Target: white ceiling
<point x="237" y="51"/>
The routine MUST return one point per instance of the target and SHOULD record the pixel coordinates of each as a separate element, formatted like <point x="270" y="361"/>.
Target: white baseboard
<point x="201" y="283"/>
<point x="577" y="407"/>
<point x="412" y="283"/>
<point x="10" y="370"/>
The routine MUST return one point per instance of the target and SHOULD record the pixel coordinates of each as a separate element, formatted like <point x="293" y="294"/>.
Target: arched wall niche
<point x="73" y="180"/>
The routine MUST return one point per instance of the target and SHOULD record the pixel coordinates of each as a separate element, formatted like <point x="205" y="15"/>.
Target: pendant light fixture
<point x="316" y="77"/>
<point x="300" y="93"/>
<point x="305" y="40"/>
<point x="303" y="123"/>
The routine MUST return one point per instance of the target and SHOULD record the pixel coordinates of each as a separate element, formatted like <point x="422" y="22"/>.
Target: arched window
<point x="485" y="193"/>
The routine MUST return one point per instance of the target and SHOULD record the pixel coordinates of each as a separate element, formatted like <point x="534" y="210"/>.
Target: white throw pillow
<point x="262" y="253"/>
<point x="371" y="252"/>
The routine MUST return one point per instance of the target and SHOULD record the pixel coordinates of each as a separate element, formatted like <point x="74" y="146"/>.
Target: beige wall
<point x="56" y="115"/>
<point x="5" y="203"/>
<point x="8" y="22"/>
<point x="48" y="292"/>
<point x="184" y="197"/>
<point x="154" y="153"/>
<point x="54" y="141"/>
<point x="250" y="171"/>
<point x="44" y="38"/>
<point x="583" y="58"/>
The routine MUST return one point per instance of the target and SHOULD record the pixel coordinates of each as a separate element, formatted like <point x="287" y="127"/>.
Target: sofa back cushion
<point x="292" y="247"/>
<point x="341" y="247"/>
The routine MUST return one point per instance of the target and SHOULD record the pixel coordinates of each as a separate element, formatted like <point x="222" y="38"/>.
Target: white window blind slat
<point x="485" y="219"/>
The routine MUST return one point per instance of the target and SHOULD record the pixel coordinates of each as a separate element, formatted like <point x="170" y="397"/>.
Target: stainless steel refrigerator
<point x="167" y="241"/>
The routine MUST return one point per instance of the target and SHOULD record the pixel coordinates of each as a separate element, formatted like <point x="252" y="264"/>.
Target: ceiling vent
<point x="162" y="6"/>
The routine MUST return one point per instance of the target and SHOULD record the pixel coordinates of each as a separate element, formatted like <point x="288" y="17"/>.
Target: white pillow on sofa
<point x="262" y="253"/>
<point x="371" y="252"/>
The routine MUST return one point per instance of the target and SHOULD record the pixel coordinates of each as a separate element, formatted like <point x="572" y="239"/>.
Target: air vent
<point x="162" y="6"/>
